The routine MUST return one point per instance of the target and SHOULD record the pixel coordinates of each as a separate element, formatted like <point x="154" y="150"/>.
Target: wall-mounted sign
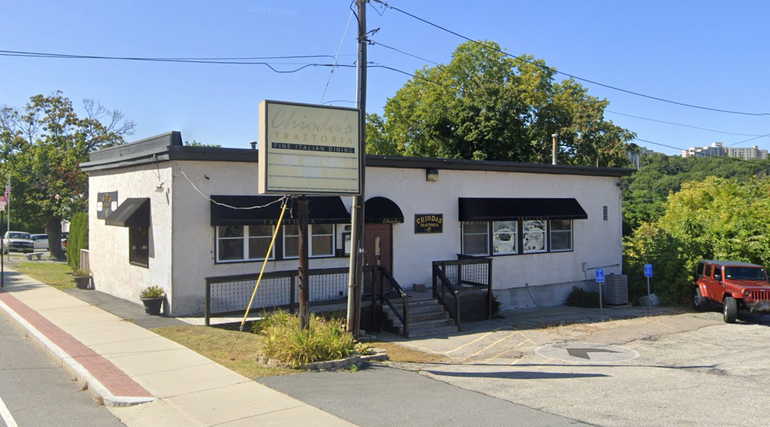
<point x="428" y="223"/>
<point x="308" y="149"/>
<point x="106" y="203"/>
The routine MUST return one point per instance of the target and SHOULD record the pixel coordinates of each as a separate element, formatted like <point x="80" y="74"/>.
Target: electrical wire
<point x="224" y="204"/>
<point x="678" y="124"/>
<point x="271" y="66"/>
<point x="607" y="111"/>
<point x="331" y="72"/>
<point x="554" y="70"/>
<point x="402" y="52"/>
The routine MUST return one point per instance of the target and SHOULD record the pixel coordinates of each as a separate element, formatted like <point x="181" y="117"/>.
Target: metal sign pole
<point x="600" y="279"/>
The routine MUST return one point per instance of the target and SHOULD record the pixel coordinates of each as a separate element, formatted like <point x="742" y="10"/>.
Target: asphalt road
<point x="692" y="370"/>
<point x="382" y="396"/>
<point x="36" y="392"/>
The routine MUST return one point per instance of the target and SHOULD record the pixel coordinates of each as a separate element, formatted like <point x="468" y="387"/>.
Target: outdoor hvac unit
<point x="616" y="289"/>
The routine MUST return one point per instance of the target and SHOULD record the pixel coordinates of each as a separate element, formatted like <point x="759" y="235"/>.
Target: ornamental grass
<point x="284" y="341"/>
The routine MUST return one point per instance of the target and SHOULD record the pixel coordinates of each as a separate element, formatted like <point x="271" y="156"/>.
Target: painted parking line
<point x="513" y="334"/>
<point x="6" y="415"/>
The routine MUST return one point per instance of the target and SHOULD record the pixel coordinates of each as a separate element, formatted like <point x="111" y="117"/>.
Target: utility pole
<point x="304" y="264"/>
<point x="356" y="274"/>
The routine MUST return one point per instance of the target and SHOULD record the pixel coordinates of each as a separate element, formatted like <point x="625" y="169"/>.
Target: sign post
<point x="648" y="274"/>
<point x="600" y="280"/>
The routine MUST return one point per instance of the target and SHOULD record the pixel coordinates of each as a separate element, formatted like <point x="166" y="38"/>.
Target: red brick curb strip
<point x="103" y="378"/>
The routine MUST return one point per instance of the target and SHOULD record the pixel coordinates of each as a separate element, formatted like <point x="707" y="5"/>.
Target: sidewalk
<point x="145" y="379"/>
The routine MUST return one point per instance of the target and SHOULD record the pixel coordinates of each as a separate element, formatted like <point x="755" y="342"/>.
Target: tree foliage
<point x="717" y="218"/>
<point x="42" y="148"/>
<point x="648" y="189"/>
<point x="485" y="105"/>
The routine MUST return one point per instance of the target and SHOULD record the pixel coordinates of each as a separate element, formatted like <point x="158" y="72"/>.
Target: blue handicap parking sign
<point x="600" y="275"/>
<point x="647" y="270"/>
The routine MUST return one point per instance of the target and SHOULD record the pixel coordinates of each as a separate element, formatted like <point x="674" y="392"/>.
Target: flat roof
<point x="169" y="147"/>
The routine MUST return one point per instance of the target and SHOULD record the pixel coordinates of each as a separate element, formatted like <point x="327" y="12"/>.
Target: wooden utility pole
<point x="304" y="264"/>
<point x="356" y="274"/>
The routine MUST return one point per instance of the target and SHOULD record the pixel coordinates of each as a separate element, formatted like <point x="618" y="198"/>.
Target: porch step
<point x="426" y="317"/>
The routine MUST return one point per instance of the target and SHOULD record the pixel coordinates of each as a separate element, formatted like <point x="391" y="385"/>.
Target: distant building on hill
<point x="718" y="149"/>
<point x="636" y="158"/>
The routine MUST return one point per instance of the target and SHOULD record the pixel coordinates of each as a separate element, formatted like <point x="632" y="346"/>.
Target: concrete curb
<point x="59" y="356"/>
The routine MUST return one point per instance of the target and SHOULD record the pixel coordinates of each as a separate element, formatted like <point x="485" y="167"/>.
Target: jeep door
<point x="712" y="291"/>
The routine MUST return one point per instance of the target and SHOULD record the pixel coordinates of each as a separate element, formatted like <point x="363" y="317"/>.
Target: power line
<point x="679" y="124"/>
<point x="402" y="52"/>
<point x="331" y="72"/>
<point x="607" y="111"/>
<point x="523" y="58"/>
<point x="215" y="61"/>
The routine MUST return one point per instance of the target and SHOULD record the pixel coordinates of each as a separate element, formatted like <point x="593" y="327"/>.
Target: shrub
<point x="582" y="298"/>
<point x="78" y="238"/>
<point x="284" y="341"/>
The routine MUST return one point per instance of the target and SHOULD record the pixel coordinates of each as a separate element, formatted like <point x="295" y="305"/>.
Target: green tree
<point x="42" y="148"/>
<point x="485" y="105"/>
<point x="717" y="218"/>
<point x="649" y="188"/>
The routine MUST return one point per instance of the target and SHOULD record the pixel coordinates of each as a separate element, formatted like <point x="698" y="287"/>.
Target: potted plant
<point x="82" y="278"/>
<point x="152" y="297"/>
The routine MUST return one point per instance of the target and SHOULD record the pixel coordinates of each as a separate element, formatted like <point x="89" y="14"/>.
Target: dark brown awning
<point x="131" y="213"/>
<point x="381" y="210"/>
<point x="252" y="210"/>
<point x="507" y="209"/>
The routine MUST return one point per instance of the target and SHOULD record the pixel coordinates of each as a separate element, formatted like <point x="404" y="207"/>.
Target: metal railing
<point x="278" y="289"/>
<point x="446" y="294"/>
<point x="464" y="274"/>
<point x="231" y="294"/>
<point x="389" y="293"/>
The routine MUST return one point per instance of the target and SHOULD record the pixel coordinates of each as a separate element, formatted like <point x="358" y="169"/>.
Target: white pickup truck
<point x="18" y="241"/>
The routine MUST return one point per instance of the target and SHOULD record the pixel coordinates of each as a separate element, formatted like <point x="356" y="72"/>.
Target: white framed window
<point x="243" y="242"/>
<point x="561" y="235"/>
<point x="475" y="238"/>
<point x="320" y="242"/>
<point x="534" y="237"/>
<point x="505" y="237"/>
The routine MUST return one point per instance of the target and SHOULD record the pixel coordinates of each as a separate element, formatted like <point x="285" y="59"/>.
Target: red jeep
<point x="733" y="284"/>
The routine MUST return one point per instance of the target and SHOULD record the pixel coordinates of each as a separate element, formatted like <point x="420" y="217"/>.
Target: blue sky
<point x="707" y="53"/>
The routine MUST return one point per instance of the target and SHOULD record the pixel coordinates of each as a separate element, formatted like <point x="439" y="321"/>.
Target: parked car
<point x="18" y="241"/>
<point x="40" y="241"/>
<point x="735" y="285"/>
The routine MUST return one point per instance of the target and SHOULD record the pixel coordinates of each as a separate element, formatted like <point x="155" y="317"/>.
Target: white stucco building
<point x="159" y="215"/>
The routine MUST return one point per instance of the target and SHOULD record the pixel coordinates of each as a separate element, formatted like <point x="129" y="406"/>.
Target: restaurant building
<point x="161" y="213"/>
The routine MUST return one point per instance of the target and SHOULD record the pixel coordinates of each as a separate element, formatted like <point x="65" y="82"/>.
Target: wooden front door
<point x="378" y="245"/>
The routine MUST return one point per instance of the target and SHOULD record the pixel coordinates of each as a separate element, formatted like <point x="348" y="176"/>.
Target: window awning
<point x="506" y="209"/>
<point x="133" y="212"/>
<point x="381" y="210"/>
<point x="323" y="210"/>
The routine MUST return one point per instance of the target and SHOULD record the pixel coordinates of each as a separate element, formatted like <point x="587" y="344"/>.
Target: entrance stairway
<point x="426" y="317"/>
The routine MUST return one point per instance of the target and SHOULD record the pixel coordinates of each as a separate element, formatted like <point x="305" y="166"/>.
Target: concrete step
<point x="427" y="324"/>
<point x="423" y="318"/>
<point x="444" y="330"/>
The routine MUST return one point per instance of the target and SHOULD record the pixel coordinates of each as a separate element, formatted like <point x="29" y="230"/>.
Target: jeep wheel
<point x="700" y="301"/>
<point x="730" y="310"/>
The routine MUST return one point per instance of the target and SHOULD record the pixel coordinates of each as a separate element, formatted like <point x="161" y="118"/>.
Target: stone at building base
<point x="533" y="296"/>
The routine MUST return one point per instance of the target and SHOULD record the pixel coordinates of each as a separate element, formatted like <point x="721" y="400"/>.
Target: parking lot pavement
<point x="686" y="362"/>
